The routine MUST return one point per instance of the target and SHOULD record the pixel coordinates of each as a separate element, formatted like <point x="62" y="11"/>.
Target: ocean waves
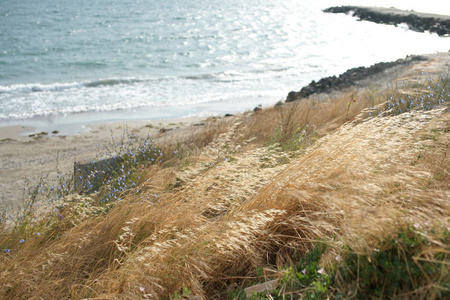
<point x="63" y="57"/>
<point x="226" y="76"/>
<point x="111" y="94"/>
<point x="58" y="87"/>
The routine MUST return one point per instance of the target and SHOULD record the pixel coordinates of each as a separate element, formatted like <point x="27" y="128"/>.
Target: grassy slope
<point x="242" y="201"/>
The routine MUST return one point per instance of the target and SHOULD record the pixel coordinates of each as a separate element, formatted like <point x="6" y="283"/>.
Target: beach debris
<point x="6" y="140"/>
<point x="265" y="286"/>
<point x="38" y="135"/>
<point x="164" y="130"/>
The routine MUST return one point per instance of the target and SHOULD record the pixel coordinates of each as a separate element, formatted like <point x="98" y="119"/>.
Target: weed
<point x="293" y="131"/>
<point x="185" y="293"/>
<point x="305" y="280"/>
<point x="408" y="265"/>
<point x="411" y="264"/>
<point x="116" y="169"/>
<point x="352" y="99"/>
<point x="428" y="95"/>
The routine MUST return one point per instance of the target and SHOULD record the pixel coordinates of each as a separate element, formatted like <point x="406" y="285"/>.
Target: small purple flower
<point x="38" y="233"/>
<point x="22" y="241"/>
<point x="7" y="250"/>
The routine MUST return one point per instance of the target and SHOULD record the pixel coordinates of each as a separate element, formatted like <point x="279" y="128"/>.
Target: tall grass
<point x="228" y="206"/>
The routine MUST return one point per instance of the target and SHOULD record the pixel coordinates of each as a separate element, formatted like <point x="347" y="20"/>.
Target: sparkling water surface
<point x="102" y="60"/>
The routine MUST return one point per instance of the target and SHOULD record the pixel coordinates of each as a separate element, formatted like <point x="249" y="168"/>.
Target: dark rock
<point x="38" y="135"/>
<point x="199" y="124"/>
<point x="257" y="108"/>
<point x="348" y="78"/>
<point x="279" y="103"/>
<point x="164" y="130"/>
<point x="292" y="96"/>
<point x="229" y="115"/>
<point x="419" y="22"/>
<point x="55" y="132"/>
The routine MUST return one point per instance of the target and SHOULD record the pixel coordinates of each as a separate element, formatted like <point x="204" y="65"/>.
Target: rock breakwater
<point x="416" y="21"/>
<point x="349" y="78"/>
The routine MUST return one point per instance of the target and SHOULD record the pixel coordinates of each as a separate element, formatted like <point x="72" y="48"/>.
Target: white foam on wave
<point x="57" y="87"/>
<point x="140" y="94"/>
<point x="38" y="87"/>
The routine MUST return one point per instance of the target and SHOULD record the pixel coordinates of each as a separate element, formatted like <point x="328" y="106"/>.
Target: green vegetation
<point x="411" y="264"/>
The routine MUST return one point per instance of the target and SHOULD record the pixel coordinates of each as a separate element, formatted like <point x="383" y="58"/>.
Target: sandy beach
<point x="26" y="156"/>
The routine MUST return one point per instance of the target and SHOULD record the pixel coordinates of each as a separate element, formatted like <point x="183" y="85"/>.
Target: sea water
<point x="102" y="60"/>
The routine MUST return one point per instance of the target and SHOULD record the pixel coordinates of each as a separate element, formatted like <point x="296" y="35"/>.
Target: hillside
<point x="336" y="195"/>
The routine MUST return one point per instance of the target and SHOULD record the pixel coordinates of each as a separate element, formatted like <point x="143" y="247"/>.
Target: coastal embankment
<point x="340" y="193"/>
<point x="26" y="158"/>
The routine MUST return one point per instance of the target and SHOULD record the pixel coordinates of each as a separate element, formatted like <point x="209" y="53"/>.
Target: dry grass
<point x="242" y="193"/>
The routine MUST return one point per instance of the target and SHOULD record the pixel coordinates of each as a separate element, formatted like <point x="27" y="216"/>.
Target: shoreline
<point x="77" y="123"/>
<point x="25" y="158"/>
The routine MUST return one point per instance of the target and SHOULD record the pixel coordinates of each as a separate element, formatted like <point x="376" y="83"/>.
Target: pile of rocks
<point x="348" y="79"/>
<point x="420" y="22"/>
